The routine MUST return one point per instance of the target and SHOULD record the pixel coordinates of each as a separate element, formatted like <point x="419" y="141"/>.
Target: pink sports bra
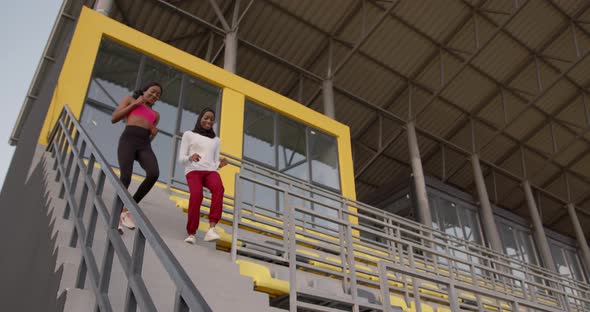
<point x="143" y="111"/>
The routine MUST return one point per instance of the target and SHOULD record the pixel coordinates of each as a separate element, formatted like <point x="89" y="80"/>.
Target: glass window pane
<point x="470" y="224"/>
<point x="169" y="79"/>
<point x="259" y="135"/>
<point x="323" y="150"/>
<point x="508" y="241"/>
<point x="198" y="94"/>
<point x="115" y="73"/>
<point x="292" y="148"/>
<point x="97" y="123"/>
<point x="527" y="248"/>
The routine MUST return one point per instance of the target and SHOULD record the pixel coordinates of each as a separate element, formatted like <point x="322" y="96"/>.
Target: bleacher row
<point x="334" y="267"/>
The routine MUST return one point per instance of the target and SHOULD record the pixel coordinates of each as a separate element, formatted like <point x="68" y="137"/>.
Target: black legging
<point x="134" y="144"/>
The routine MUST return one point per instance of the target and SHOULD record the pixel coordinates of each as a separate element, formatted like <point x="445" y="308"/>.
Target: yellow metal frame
<point x="77" y="70"/>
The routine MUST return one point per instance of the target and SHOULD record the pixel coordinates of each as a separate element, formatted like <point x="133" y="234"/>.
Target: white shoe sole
<point x="212" y="238"/>
<point x="189" y="241"/>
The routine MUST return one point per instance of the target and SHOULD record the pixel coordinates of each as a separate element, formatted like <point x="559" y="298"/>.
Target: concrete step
<point x="76" y="300"/>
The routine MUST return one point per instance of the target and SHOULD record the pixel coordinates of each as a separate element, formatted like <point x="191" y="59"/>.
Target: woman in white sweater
<point x="199" y="153"/>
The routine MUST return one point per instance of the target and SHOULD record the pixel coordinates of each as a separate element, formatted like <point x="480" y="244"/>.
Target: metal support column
<point x="104" y="7"/>
<point x="418" y="174"/>
<point x="539" y="232"/>
<point x="486" y="213"/>
<point x="583" y="245"/>
<point x="328" y="95"/>
<point x="231" y="51"/>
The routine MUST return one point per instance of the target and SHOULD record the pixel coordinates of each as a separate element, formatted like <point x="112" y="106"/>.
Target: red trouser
<point x="212" y="181"/>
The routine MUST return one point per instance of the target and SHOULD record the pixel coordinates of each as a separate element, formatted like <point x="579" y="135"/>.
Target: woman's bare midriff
<point x="138" y="121"/>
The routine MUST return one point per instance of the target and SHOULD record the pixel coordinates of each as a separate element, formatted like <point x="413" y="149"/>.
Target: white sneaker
<point x="126" y="220"/>
<point x="120" y="227"/>
<point x="212" y="235"/>
<point x="190" y="240"/>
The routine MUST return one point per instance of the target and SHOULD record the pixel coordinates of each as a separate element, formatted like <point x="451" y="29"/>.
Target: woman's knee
<point x="152" y="175"/>
<point x="218" y="189"/>
<point x="125" y="179"/>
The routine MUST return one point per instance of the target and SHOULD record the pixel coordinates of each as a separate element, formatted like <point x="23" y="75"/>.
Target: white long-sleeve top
<point x="207" y="148"/>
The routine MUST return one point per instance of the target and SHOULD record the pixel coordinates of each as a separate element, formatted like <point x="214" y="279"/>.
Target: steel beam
<point x="104" y="7"/>
<point x="582" y="243"/>
<point x="418" y="176"/>
<point x="539" y="232"/>
<point x="486" y="212"/>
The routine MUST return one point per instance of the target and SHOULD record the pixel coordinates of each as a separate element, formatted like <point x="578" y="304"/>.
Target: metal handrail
<point x="64" y="140"/>
<point x="410" y="224"/>
<point x="531" y="288"/>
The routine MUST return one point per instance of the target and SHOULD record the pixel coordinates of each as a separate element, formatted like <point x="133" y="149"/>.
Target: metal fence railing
<point x="365" y="250"/>
<point x="72" y="148"/>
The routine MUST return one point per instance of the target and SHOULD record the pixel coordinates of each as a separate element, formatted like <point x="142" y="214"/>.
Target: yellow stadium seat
<point x="263" y="281"/>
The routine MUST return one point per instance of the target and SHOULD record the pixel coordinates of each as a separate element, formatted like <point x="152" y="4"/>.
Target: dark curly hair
<point x="140" y="92"/>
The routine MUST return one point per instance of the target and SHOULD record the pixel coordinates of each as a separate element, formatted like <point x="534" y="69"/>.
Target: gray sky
<point x="24" y="29"/>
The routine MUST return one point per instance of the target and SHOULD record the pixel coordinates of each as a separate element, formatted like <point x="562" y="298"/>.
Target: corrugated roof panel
<point x="263" y="70"/>
<point x="352" y="31"/>
<point x="526" y="26"/>
<point x="463" y="138"/>
<point x="581" y="73"/>
<point x="513" y="164"/>
<point x="583" y="166"/>
<point x="557" y="187"/>
<point x="563" y="47"/>
<point x="569" y="7"/>
<point x="563" y="136"/>
<point x="525" y="84"/>
<point x="435" y="18"/>
<point x="534" y="163"/>
<point x="363" y="189"/>
<point x="573" y="151"/>
<point x="398" y="47"/>
<point x="495" y="149"/>
<point x="382" y="170"/>
<point x="505" y="186"/>
<point x="323" y="14"/>
<point x="500" y="58"/>
<point x="401" y="106"/>
<point x="575" y="113"/>
<point x="469" y="89"/>
<point x="438" y="118"/>
<point x="351" y="113"/>
<point x="279" y="40"/>
<point x="542" y="140"/>
<point x="464" y="177"/>
<point x="371" y="135"/>
<point x="557" y="96"/>
<point x="529" y="120"/>
<point x="379" y="85"/>
<point x="578" y="188"/>
<point x="543" y="176"/>
<point x="433" y="165"/>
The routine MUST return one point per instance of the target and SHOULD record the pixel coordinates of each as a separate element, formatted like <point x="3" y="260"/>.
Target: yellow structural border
<point x="75" y="77"/>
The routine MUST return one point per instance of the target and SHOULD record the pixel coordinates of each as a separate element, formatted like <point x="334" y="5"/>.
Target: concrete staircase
<point x="212" y="271"/>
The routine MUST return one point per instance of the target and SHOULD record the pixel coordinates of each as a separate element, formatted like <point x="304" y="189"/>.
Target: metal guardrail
<point x="69" y="145"/>
<point x="318" y="231"/>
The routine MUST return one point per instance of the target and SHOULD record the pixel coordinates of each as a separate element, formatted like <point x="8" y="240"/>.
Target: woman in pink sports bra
<point x="134" y="143"/>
